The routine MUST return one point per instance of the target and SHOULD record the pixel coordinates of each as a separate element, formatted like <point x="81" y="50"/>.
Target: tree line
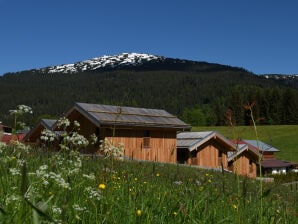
<point x="198" y="97"/>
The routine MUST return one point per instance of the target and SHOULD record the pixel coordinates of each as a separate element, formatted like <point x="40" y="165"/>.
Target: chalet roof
<point x="102" y="115"/>
<point x="192" y="140"/>
<point x="48" y="123"/>
<point x="263" y="147"/>
<point x="240" y="149"/>
<point x="275" y="163"/>
<point x="44" y="123"/>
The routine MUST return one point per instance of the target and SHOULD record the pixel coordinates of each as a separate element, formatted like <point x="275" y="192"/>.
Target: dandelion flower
<point x="139" y="212"/>
<point x="174" y="213"/>
<point x="157" y="174"/>
<point x="102" y="186"/>
<point x="234" y="206"/>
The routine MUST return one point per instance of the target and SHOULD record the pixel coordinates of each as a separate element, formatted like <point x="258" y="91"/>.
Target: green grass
<point x="282" y="137"/>
<point x="39" y="187"/>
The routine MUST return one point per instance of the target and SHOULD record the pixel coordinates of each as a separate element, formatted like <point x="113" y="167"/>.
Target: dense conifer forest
<point x="198" y="93"/>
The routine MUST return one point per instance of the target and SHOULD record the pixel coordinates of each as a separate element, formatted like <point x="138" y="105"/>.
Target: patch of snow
<point x="124" y="59"/>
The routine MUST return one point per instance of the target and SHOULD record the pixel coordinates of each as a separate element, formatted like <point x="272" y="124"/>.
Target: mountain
<point x="198" y="92"/>
<point x="130" y="61"/>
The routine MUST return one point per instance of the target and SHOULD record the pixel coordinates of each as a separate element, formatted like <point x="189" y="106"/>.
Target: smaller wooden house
<point x="33" y="135"/>
<point x="269" y="164"/>
<point x="205" y="149"/>
<point x="243" y="161"/>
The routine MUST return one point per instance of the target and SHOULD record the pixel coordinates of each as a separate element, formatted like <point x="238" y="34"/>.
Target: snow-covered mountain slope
<point x="104" y="62"/>
<point x="280" y="77"/>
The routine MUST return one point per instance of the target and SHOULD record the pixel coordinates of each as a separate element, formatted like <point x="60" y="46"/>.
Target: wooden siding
<point x="162" y="141"/>
<point x="162" y="144"/>
<point x="207" y="155"/>
<point x="244" y="165"/>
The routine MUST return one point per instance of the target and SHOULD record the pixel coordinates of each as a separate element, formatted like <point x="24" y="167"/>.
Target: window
<point x="146" y="139"/>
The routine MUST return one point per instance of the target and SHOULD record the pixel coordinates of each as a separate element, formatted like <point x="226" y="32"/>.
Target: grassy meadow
<point x="282" y="137"/>
<point x="37" y="186"/>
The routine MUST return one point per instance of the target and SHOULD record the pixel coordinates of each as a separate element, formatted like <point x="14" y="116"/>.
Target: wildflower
<point x="209" y="180"/>
<point x="93" y="194"/>
<point x="157" y="174"/>
<point x="234" y="206"/>
<point x="139" y="212"/>
<point x="174" y="213"/>
<point x="136" y="178"/>
<point x="102" y="186"/>
<point x="48" y="135"/>
<point x="178" y="182"/>
<point x="207" y="174"/>
<point x="198" y="183"/>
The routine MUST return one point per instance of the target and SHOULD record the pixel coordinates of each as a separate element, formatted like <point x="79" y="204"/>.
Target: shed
<point x="205" y="149"/>
<point x="33" y="136"/>
<point x="243" y="161"/>
<point x="270" y="164"/>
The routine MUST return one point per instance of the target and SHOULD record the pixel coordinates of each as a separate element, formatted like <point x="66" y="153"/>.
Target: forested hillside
<point x="199" y="93"/>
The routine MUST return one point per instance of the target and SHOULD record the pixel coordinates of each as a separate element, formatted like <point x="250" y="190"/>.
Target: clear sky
<point x="258" y="35"/>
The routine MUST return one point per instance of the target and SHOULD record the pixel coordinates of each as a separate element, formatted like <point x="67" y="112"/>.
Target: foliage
<point x="200" y="94"/>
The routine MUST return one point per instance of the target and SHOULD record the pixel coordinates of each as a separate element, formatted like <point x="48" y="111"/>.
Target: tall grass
<point x="43" y="187"/>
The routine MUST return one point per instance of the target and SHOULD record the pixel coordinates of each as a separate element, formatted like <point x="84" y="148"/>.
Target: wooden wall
<point x="208" y="155"/>
<point x="162" y="144"/>
<point x="162" y="141"/>
<point x="245" y="166"/>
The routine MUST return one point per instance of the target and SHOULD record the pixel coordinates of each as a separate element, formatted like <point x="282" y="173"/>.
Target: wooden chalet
<point x="147" y="134"/>
<point x="269" y="164"/>
<point x="205" y="149"/>
<point x="243" y="161"/>
<point x="33" y="135"/>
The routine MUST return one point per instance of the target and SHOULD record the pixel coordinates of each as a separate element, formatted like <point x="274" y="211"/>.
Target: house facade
<point x="243" y="161"/>
<point x="146" y="134"/>
<point x="205" y="149"/>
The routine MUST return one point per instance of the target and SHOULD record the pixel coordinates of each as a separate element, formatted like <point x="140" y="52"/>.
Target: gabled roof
<point x="107" y="115"/>
<point x="263" y="147"/>
<point x="241" y="148"/>
<point x="43" y="124"/>
<point x="192" y="140"/>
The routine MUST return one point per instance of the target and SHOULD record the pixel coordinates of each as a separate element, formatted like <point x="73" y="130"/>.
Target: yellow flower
<point x="174" y="213"/>
<point x="139" y="212"/>
<point x="234" y="206"/>
<point x="207" y="174"/>
<point x="209" y="181"/>
<point x="157" y="174"/>
<point x="102" y="186"/>
<point x="136" y="179"/>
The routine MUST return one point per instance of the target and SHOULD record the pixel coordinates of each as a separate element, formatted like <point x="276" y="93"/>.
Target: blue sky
<point x="260" y="36"/>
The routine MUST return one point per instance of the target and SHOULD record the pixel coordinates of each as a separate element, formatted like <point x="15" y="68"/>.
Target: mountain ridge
<point x="198" y="92"/>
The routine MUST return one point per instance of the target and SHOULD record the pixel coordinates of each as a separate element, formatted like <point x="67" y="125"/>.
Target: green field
<point x="282" y="137"/>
